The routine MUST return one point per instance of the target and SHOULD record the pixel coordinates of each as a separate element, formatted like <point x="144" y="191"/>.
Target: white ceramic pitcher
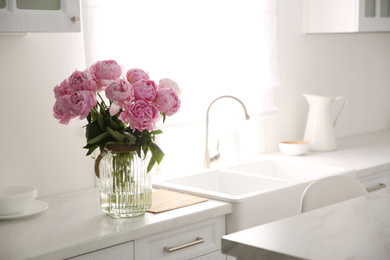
<point x="319" y="131"/>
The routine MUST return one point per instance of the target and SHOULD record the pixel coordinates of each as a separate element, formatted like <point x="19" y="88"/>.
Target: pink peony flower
<point x="168" y="83"/>
<point x="63" y="89"/>
<point x="124" y="116"/>
<point x="82" y="80"/>
<point x="145" y="90"/>
<point x="122" y="93"/>
<point x="133" y="75"/>
<point x="114" y="109"/>
<point x="62" y="111"/>
<point x="81" y="102"/>
<point x="168" y="101"/>
<point x="142" y="115"/>
<point x="105" y="72"/>
<point x="120" y="90"/>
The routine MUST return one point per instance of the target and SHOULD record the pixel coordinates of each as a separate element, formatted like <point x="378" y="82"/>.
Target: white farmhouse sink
<point x="286" y="170"/>
<point x="224" y="184"/>
<point x="260" y="191"/>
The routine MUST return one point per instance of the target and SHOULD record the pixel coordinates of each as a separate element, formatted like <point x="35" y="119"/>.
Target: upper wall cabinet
<point x="346" y="16"/>
<point x="39" y="16"/>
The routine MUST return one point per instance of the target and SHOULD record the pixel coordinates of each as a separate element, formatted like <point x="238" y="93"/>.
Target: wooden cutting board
<point x="164" y="200"/>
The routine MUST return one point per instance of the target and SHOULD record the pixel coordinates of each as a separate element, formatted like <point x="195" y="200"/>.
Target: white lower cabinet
<point x="123" y="251"/>
<point x="200" y="240"/>
<point x="197" y="241"/>
<point x="376" y="181"/>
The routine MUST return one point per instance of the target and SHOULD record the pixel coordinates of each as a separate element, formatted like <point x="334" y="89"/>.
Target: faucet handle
<point x="218" y="155"/>
<point x="215" y="157"/>
<point x="218" y="143"/>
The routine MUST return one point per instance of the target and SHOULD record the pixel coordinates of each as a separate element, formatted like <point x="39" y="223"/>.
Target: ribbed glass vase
<point x="125" y="186"/>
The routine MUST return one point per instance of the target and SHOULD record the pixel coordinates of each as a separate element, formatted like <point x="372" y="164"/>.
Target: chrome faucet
<point x="207" y="160"/>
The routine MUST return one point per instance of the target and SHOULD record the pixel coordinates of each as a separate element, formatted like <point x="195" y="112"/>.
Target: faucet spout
<point x="207" y="160"/>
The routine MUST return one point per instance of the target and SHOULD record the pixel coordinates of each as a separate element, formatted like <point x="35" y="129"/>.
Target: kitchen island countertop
<point x="354" y="229"/>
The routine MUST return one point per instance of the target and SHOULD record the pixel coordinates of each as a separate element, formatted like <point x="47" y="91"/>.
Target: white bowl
<point x="16" y="198"/>
<point x="294" y="147"/>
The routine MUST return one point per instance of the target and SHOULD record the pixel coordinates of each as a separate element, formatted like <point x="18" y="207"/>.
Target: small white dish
<point x="36" y="207"/>
<point x="294" y="147"/>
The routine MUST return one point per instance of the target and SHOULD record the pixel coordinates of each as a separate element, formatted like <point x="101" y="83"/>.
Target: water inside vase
<point x="125" y="204"/>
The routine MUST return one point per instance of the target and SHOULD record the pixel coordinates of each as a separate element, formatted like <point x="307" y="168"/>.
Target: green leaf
<point x="114" y="125"/>
<point x="98" y="138"/>
<point x="103" y="143"/>
<point x="118" y="136"/>
<point x="93" y="130"/>
<point x="138" y="150"/>
<point x="93" y="114"/>
<point x="91" y="149"/>
<point x="130" y="137"/>
<point x="145" y="149"/>
<point x="151" y="164"/>
<point x="101" y="122"/>
<point x="157" y="153"/>
<point x="89" y="118"/>
<point x="156" y="132"/>
<point x="164" y="117"/>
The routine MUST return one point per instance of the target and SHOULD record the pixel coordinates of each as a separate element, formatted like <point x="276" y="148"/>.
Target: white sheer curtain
<point x="209" y="47"/>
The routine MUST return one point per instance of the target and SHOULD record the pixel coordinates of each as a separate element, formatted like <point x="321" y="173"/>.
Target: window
<point x="209" y="47"/>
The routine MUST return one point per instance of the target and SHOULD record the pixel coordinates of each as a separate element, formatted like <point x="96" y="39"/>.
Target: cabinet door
<point x="374" y="16"/>
<point x="182" y="243"/>
<point x="346" y="16"/>
<point x="39" y="16"/>
<point x="120" y="252"/>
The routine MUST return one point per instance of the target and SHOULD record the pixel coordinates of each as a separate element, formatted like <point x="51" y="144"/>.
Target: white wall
<point x="355" y="66"/>
<point x="37" y="150"/>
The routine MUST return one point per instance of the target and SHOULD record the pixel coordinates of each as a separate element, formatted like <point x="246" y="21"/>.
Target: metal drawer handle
<point x="377" y="187"/>
<point x="198" y="240"/>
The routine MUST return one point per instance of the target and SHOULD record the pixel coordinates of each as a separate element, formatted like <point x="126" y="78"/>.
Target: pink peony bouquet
<point x="135" y="104"/>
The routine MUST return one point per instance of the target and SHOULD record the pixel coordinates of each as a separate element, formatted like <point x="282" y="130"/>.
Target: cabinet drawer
<point x="119" y="252"/>
<point x="184" y="243"/>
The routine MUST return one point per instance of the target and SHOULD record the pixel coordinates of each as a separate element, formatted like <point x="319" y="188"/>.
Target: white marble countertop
<point x="74" y="224"/>
<point x="367" y="154"/>
<point x="353" y="229"/>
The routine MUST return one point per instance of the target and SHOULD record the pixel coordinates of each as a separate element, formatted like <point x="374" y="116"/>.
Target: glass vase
<point x="125" y="186"/>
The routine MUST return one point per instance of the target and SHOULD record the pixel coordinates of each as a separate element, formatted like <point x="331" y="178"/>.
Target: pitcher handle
<point x="341" y="109"/>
